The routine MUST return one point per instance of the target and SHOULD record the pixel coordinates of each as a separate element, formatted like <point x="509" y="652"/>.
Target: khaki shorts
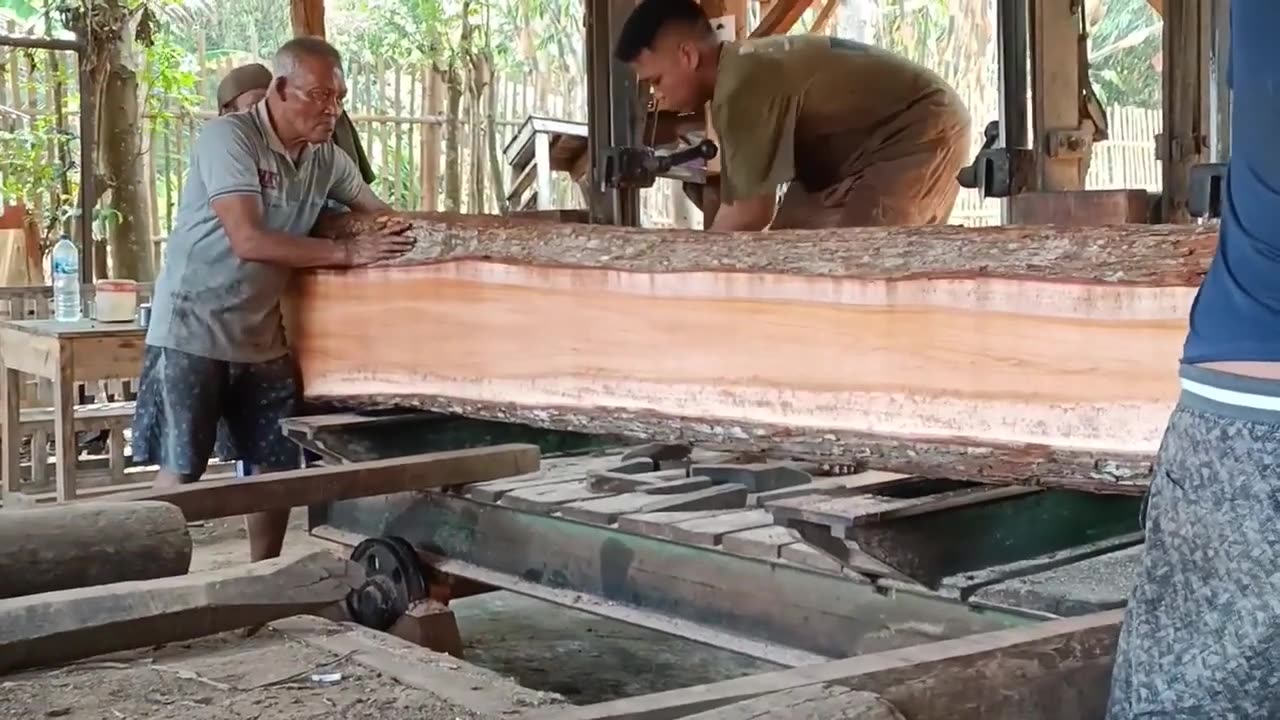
<point x="919" y="188"/>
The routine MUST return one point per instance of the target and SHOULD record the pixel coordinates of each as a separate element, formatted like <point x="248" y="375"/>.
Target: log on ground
<point x="76" y="545"/>
<point x="68" y="625"/>
<point x="1005" y="354"/>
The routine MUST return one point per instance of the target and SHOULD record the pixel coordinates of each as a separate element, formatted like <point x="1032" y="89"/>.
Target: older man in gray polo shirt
<point x="217" y="370"/>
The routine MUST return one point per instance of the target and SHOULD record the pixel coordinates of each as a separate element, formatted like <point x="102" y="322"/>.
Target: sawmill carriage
<point x="903" y="464"/>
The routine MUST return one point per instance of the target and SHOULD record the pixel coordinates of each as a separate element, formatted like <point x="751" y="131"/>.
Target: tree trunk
<point x="453" y="140"/>
<point x="93" y="543"/>
<point x="121" y="163"/>
<point x="943" y="351"/>
<point x="495" y="160"/>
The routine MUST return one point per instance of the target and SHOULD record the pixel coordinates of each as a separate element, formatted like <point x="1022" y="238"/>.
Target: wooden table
<point x="65" y="353"/>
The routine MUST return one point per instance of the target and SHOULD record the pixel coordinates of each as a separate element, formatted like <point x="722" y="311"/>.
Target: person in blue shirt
<point x="1201" y="633"/>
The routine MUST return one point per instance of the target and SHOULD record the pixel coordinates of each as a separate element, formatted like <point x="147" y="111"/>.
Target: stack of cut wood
<point x="1001" y="354"/>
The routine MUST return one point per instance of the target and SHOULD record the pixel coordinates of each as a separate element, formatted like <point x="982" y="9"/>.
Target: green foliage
<point x="171" y="80"/>
<point x="1124" y="51"/>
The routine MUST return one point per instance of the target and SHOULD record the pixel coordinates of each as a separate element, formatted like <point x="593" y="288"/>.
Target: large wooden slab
<point x="1004" y="354"/>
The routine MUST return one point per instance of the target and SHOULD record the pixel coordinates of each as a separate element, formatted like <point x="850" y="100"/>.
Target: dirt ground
<point x="568" y="655"/>
<point x="223" y="677"/>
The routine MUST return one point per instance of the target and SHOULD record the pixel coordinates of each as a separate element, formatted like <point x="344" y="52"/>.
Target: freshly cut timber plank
<point x="91" y="543"/>
<point x="813" y="702"/>
<point x="1029" y="355"/>
<point x="67" y="625"/>
<point x="295" y="488"/>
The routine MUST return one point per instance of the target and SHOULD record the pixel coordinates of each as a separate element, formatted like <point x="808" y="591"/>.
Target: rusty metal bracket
<point x="1073" y="143"/>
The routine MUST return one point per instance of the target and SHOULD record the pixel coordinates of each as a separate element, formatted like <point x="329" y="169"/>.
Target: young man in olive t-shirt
<point x="864" y="137"/>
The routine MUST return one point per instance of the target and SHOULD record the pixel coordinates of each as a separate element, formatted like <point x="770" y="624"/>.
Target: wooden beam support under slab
<point x="307" y="17"/>
<point x="296" y="488"/>
<point x="1054" y="670"/>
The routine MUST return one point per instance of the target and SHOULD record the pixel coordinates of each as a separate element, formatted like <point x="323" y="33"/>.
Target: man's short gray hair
<point x="293" y="52"/>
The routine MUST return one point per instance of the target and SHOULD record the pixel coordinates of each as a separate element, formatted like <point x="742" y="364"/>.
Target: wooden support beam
<point x="782" y="16"/>
<point x="68" y="625"/>
<point x="1059" y="140"/>
<point x="1056" y="670"/>
<point x="296" y="488"/>
<point x="1184" y="140"/>
<point x="945" y="351"/>
<point x="90" y="543"/>
<point x="307" y="17"/>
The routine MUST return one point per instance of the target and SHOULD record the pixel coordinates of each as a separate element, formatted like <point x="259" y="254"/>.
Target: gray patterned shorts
<point x="191" y="408"/>
<point x="1201" y="633"/>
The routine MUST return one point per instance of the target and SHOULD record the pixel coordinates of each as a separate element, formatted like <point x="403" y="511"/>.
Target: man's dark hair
<point x="650" y="18"/>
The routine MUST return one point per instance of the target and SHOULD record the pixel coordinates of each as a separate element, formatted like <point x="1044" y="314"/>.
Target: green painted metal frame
<point x="765" y="601"/>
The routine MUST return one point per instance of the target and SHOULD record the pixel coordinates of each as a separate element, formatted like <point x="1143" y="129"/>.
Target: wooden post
<point x="1184" y="140"/>
<point x="1056" y="92"/>
<point x="307" y="17"/>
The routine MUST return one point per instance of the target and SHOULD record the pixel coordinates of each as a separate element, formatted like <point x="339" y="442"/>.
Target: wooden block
<point x="606" y="510"/>
<point x="803" y="553"/>
<point x="761" y="542"/>
<point x="756" y="477"/>
<point x="295" y="488"/>
<point x="610" y="481"/>
<point x="811" y="702"/>
<point x="547" y="498"/>
<point x="715" y="497"/>
<point x="432" y="625"/>
<point x="635" y="466"/>
<point x="710" y="531"/>
<point x="839" y="512"/>
<point x="1080" y="208"/>
<point x="493" y="490"/>
<point x="672" y="487"/>
<point x="659" y="452"/>
<point x="841" y="485"/>
<point x="659" y="524"/>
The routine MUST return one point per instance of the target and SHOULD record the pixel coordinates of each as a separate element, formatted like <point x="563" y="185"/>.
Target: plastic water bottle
<point x="66" y="280"/>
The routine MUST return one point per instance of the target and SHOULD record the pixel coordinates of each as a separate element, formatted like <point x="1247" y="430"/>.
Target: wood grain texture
<point x="90" y="543"/>
<point x="58" y="627"/>
<point x="296" y="488"/>
<point x="1034" y="355"/>
<point x="1054" y="670"/>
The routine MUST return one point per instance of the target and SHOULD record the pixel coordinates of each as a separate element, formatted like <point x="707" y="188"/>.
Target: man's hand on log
<point x="386" y="242"/>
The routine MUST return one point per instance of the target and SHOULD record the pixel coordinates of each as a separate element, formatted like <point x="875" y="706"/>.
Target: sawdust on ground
<point x="227" y="676"/>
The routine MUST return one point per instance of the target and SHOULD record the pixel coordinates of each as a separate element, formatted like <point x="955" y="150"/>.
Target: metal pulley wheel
<point x="394" y="580"/>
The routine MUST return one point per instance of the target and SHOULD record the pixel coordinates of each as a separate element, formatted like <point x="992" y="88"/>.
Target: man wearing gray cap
<point x="216" y="352"/>
<point x="246" y="85"/>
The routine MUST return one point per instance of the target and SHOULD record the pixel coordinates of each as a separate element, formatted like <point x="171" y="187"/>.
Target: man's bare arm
<point x="749" y="214"/>
<point x="241" y="216"/>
